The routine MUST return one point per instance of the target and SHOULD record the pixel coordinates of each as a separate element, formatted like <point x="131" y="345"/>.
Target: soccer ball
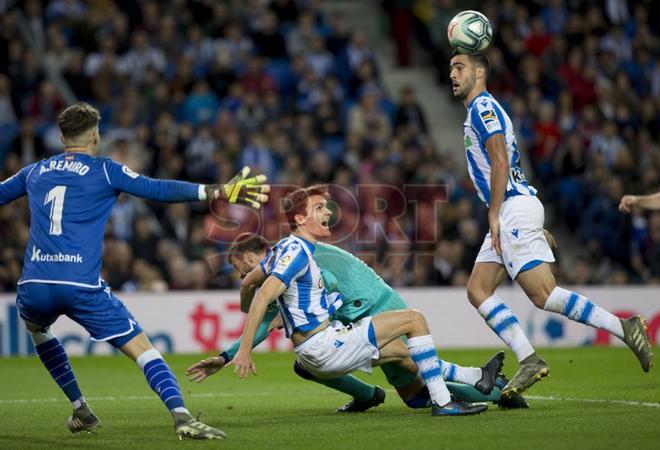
<point x="469" y="32"/>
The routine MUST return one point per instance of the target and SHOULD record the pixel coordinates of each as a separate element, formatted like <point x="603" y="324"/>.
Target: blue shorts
<point x="97" y="310"/>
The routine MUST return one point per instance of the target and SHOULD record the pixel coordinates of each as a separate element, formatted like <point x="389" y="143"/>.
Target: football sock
<point x="423" y="354"/>
<point x="454" y="372"/>
<point x="579" y="308"/>
<point x="501" y="320"/>
<point x="420" y="400"/>
<point x="470" y="394"/>
<point x="161" y="379"/>
<point x="52" y="355"/>
<point x="348" y="384"/>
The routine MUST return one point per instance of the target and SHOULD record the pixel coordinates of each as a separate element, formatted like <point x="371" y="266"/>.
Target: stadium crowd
<point x="195" y="89"/>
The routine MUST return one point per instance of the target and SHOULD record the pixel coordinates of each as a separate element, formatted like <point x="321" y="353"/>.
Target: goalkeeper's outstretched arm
<point x="250" y="191"/>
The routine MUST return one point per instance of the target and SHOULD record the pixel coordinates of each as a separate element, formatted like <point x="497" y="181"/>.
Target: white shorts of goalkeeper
<point x="339" y="349"/>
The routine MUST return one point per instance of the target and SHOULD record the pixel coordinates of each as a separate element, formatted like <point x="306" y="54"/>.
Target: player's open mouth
<point x="455" y="86"/>
<point x="324" y="224"/>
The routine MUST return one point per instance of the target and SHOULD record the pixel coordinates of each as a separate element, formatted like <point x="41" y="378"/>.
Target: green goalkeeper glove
<point x="241" y="189"/>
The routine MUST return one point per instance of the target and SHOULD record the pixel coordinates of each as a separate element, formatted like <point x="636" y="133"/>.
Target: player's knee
<point x="145" y="357"/>
<point x="40" y="335"/>
<point x="539" y="295"/>
<point x="539" y="298"/>
<point x="476" y="293"/>
<point x="416" y="319"/>
<point x="301" y="372"/>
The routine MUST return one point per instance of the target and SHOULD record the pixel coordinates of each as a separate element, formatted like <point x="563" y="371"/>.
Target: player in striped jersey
<point x="515" y="243"/>
<point x="325" y="349"/>
<point x="364" y="294"/>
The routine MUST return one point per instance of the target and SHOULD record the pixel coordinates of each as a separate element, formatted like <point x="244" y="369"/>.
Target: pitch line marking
<point x="594" y="400"/>
<point x="267" y="394"/>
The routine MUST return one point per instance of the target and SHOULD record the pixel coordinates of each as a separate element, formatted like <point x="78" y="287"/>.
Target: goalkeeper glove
<point x="241" y="189"/>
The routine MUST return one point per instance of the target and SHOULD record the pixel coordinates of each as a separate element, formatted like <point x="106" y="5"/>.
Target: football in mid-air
<point x="469" y="32"/>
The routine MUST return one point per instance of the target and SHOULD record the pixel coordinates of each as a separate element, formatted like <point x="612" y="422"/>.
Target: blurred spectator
<point x="367" y="120"/>
<point x="45" y="106"/>
<point x="141" y="56"/>
<point x="400" y="26"/>
<point x="28" y="146"/>
<point x="8" y="108"/>
<point x="409" y="113"/>
<point x="268" y="40"/>
<point x="201" y="105"/>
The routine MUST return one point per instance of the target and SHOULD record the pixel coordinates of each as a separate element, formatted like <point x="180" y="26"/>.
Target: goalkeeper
<point x="365" y="294"/>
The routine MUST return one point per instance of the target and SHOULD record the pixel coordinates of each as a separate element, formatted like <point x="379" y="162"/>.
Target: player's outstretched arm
<point x="242" y="189"/>
<point x="249" y="286"/>
<point x="14" y="186"/>
<point x="643" y="201"/>
<point x="272" y="288"/>
<point x="200" y="371"/>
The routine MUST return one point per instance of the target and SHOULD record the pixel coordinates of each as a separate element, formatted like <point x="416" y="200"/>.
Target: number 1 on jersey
<point x="56" y="196"/>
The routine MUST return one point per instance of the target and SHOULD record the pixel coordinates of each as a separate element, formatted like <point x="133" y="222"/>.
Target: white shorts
<point x="521" y="235"/>
<point x="339" y="349"/>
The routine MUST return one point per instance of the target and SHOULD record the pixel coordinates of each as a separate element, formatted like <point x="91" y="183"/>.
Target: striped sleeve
<point x="290" y="264"/>
<point x="485" y="120"/>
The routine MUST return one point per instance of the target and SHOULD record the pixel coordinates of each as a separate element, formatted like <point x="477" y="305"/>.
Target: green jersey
<point x="364" y="292"/>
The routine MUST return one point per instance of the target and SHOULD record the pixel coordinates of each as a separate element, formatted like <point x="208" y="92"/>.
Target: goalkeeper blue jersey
<point x="71" y="196"/>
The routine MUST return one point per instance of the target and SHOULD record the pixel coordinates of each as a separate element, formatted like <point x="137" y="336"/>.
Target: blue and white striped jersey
<point x="71" y="196"/>
<point x="305" y="303"/>
<point x="486" y="117"/>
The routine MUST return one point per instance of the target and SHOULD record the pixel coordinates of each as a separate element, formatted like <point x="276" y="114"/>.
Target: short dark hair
<point x="247" y="242"/>
<point x="296" y="202"/>
<point x="478" y="59"/>
<point x="78" y="118"/>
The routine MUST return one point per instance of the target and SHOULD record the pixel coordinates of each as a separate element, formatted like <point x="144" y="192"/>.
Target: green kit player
<point x="364" y="294"/>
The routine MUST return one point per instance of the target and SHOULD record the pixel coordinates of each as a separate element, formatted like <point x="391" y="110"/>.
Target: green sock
<point x="470" y="394"/>
<point x="348" y="384"/>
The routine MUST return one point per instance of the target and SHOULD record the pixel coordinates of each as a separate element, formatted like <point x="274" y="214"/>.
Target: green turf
<point x="278" y="410"/>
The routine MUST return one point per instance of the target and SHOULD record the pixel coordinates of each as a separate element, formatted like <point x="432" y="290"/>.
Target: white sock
<point x="78" y="403"/>
<point x="147" y="357"/>
<point x="422" y="351"/>
<point x="181" y="409"/>
<point x="501" y="320"/>
<point x="465" y="375"/>
<point x="580" y="309"/>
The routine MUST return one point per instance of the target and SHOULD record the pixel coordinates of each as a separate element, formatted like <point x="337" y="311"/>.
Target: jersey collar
<point x="305" y="242"/>
<point x="481" y="94"/>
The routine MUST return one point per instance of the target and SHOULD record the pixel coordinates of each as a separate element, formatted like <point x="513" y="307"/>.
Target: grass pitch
<point x="595" y="398"/>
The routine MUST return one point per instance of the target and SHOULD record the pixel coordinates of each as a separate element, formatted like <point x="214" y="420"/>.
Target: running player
<point x="364" y="294"/>
<point x="71" y="196"/>
<point x="515" y="243"/>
